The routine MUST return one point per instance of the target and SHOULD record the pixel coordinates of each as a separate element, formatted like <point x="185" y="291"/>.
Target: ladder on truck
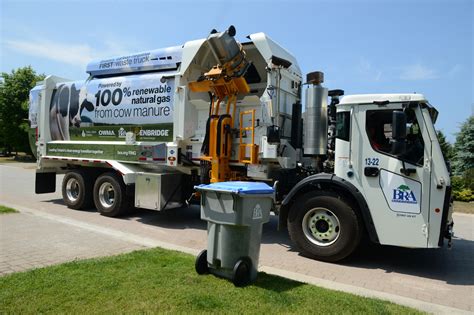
<point x="251" y="158"/>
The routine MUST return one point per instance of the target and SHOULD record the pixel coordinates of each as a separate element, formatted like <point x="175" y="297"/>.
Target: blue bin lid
<point x="243" y="188"/>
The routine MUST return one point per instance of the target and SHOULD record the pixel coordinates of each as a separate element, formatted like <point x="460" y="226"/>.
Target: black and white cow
<point x="68" y="102"/>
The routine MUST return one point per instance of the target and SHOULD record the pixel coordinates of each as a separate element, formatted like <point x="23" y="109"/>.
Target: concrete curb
<point x="148" y="242"/>
<point x="420" y="305"/>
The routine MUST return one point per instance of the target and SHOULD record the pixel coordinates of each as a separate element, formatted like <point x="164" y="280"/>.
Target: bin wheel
<point x="201" y="263"/>
<point x="241" y="274"/>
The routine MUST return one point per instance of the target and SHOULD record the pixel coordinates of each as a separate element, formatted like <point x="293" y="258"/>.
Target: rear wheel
<point x="324" y="226"/>
<point x="109" y="195"/>
<point x="242" y="272"/>
<point x="77" y="190"/>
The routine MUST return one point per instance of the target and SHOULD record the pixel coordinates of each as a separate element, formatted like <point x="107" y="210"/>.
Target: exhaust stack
<point x="316" y="120"/>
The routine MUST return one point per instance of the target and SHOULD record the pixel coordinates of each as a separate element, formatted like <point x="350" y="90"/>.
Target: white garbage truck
<point x="143" y="129"/>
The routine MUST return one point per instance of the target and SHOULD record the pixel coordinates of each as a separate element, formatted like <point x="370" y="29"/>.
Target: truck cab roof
<point x="392" y="98"/>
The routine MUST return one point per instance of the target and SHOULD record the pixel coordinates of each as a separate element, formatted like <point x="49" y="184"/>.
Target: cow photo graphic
<point x="68" y="102"/>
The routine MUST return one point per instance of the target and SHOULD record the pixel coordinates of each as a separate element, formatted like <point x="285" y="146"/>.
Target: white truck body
<point x="177" y="123"/>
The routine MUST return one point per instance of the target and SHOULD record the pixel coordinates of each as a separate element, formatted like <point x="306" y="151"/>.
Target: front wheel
<point x="109" y="195"/>
<point x="324" y="226"/>
<point x="201" y="265"/>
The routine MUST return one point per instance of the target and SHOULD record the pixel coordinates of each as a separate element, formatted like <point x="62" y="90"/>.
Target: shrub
<point x="464" y="194"/>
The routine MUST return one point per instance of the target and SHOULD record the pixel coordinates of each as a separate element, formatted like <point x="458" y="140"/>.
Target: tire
<point x="109" y="195"/>
<point x="324" y="227"/>
<point x="201" y="265"/>
<point x="241" y="272"/>
<point x="77" y="189"/>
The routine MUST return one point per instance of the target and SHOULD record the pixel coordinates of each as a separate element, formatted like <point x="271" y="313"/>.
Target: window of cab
<point x="343" y="124"/>
<point x="379" y="132"/>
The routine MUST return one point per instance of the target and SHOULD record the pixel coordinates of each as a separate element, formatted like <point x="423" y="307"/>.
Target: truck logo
<point x="106" y="133"/>
<point x="122" y="133"/>
<point x="403" y="194"/>
<point x="257" y="212"/>
<point x="154" y="132"/>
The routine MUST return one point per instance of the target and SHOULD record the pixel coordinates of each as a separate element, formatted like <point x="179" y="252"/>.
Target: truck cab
<point x="390" y="181"/>
<point x="403" y="176"/>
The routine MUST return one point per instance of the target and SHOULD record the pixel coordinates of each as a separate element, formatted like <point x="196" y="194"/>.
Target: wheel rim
<point x="72" y="189"/>
<point x="321" y="226"/>
<point x="106" y="195"/>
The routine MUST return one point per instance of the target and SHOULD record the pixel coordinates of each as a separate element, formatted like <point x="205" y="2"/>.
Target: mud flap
<point x="45" y="183"/>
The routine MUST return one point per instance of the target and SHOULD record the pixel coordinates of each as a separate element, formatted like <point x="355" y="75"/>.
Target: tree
<point x="446" y="147"/>
<point x="463" y="161"/>
<point x="14" y="95"/>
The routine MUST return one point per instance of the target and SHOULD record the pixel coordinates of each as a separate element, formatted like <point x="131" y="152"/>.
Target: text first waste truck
<point x="144" y="129"/>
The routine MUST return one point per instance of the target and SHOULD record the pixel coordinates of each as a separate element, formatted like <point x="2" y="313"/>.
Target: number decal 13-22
<point x="372" y="161"/>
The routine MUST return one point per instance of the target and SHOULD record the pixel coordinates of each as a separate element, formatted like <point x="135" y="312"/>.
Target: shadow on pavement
<point x="453" y="266"/>
<point x="61" y="202"/>
<point x="184" y="218"/>
<point x="179" y="219"/>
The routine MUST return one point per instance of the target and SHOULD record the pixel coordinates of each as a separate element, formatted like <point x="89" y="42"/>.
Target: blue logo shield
<point x="403" y="194"/>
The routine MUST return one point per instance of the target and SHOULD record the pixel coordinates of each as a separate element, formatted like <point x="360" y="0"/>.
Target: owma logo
<point x="403" y="194"/>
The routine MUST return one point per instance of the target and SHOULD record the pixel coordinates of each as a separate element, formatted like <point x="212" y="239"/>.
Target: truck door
<point x="396" y="187"/>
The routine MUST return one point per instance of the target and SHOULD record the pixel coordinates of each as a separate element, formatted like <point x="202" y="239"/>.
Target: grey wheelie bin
<point x="235" y="212"/>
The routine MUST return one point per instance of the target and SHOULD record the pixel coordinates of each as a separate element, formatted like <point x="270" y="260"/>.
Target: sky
<point x="362" y="46"/>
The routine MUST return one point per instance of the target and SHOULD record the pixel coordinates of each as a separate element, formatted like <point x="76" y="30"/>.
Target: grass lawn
<point x="464" y="207"/>
<point x="4" y="209"/>
<point x="7" y="159"/>
<point x="164" y="281"/>
<point x="21" y="157"/>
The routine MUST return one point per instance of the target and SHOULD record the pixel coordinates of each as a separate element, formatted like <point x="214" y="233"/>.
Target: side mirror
<point x="399" y="125"/>
<point x="399" y="147"/>
<point x="399" y="132"/>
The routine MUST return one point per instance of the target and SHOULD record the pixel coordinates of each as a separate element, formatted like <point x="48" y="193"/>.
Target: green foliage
<point x="162" y="281"/>
<point x="464" y="148"/>
<point x="468" y="179"/>
<point x="457" y="183"/>
<point x="4" y="209"/>
<point x="464" y="194"/>
<point x="446" y="147"/>
<point x="463" y="186"/>
<point x="14" y="95"/>
<point x="463" y="162"/>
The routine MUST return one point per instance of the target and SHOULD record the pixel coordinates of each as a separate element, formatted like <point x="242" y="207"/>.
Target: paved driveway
<point x="29" y="241"/>
<point x="440" y="276"/>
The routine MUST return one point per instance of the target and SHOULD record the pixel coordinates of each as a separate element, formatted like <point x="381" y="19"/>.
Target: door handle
<point x="371" y="171"/>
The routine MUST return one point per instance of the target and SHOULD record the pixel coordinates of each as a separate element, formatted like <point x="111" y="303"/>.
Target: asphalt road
<point x="430" y="276"/>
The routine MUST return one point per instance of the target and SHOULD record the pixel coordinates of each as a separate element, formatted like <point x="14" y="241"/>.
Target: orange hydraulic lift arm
<point x="225" y="81"/>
